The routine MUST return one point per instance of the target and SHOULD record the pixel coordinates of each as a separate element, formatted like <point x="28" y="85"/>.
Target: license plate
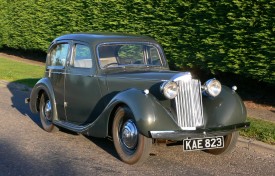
<point x="203" y="143"/>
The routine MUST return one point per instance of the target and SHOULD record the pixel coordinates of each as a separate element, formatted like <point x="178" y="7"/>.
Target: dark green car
<point x="120" y="86"/>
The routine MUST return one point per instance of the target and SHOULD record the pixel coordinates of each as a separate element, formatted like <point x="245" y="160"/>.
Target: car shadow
<point x="19" y="93"/>
<point x="106" y="144"/>
<point x="16" y="161"/>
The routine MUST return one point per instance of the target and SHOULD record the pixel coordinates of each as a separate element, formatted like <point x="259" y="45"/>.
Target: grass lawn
<point x="260" y="130"/>
<point x="15" y="71"/>
<point x="28" y="74"/>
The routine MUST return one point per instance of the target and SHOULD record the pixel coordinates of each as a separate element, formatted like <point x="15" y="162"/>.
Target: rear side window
<point x="59" y="54"/>
<point x="82" y="56"/>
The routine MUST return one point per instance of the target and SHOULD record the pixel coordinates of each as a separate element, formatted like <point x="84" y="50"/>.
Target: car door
<point x="82" y="93"/>
<point x="55" y="70"/>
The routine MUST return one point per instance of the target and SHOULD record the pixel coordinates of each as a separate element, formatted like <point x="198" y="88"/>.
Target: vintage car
<point x="120" y="86"/>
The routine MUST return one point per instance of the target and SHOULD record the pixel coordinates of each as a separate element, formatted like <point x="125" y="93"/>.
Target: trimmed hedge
<point x="221" y="36"/>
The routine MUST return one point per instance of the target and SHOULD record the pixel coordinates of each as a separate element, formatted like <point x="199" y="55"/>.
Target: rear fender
<point x="42" y="86"/>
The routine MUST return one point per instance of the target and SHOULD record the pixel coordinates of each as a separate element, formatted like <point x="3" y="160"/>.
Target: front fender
<point x="43" y="85"/>
<point x="224" y="110"/>
<point x="149" y="114"/>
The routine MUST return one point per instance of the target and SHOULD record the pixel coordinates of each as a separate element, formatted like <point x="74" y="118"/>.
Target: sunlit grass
<point x="15" y="71"/>
<point x="260" y="130"/>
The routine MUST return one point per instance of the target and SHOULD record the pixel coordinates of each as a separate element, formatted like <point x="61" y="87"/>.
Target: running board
<point x="71" y="126"/>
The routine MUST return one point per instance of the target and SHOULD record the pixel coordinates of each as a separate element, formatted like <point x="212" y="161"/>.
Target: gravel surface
<point x="260" y="111"/>
<point x="26" y="149"/>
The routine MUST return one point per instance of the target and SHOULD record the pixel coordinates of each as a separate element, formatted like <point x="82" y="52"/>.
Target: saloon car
<point x="120" y="86"/>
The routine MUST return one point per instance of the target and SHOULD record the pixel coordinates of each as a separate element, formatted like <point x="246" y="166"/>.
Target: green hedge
<point x="234" y="36"/>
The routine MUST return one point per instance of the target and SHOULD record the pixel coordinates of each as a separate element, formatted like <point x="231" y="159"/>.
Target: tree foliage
<point x="234" y="36"/>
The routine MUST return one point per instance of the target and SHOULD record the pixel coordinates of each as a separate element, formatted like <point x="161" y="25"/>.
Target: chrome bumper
<point x="199" y="133"/>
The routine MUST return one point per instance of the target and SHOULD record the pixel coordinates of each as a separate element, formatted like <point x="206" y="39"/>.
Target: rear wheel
<point x="46" y="113"/>
<point x="230" y="141"/>
<point x="131" y="146"/>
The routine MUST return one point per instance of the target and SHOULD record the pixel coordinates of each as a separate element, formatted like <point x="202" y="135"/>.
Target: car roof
<point x="96" y="38"/>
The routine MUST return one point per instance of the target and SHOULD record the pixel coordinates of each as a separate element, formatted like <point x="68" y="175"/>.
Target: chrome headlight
<point x="169" y="89"/>
<point x="212" y="87"/>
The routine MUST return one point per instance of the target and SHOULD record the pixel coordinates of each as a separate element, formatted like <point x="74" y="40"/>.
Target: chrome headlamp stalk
<point x="169" y="89"/>
<point x="212" y="87"/>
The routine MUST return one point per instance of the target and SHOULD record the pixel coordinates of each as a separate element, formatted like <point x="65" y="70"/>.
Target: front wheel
<point x="230" y="141"/>
<point x="131" y="146"/>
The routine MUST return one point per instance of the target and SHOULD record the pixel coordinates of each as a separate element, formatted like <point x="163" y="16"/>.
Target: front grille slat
<point x="189" y="104"/>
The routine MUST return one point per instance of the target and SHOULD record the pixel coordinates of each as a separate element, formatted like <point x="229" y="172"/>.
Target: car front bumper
<point x="198" y="133"/>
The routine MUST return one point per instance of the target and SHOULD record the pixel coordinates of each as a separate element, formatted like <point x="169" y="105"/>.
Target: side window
<point x="82" y="56"/>
<point x="58" y="55"/>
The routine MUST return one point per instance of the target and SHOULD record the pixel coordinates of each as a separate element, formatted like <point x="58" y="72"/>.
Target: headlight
<point x="212" y="87"/>
<point x="169" y="89"/>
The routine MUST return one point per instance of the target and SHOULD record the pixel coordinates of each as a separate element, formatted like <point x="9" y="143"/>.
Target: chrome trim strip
<point x="183" y="76"/>
<point x="180" y="135"/>
<point x="65" y="73"/>
<point x="138" y="79"/>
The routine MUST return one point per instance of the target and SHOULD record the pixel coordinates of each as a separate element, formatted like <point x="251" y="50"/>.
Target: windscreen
<point x="116" y="55"/>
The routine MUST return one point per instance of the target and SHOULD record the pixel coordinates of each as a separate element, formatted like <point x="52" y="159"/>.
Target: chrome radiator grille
<point x="189" y="104"/>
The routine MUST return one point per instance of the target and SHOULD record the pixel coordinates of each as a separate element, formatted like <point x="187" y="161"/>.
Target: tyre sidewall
<point x="46" y="125"/>
<point x="140" y="153"/>
<point x="230" y="142"/>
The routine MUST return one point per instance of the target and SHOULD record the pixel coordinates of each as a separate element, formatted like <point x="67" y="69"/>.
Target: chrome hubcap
<point x="48" y="110"/>
<point x="129" y="134"/>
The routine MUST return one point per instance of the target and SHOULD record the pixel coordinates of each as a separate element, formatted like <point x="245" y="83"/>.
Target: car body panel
<point x="82" y="101"/>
